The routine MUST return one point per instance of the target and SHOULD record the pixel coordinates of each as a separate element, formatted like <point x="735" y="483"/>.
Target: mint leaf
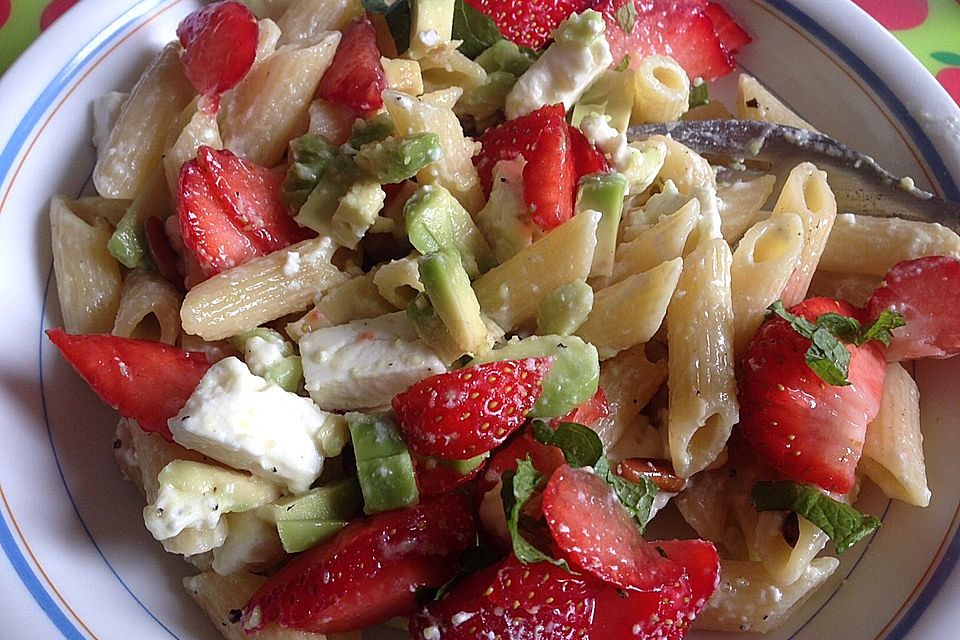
<point x="381" y="7"/>
<point x="845" y="525"/>
<point x="699" y="95"/>
<point x="627" y="17"/>
<point x="399" y="15"/>
<point x="477" y="30"/>
<point x="637" y="498"/>
<point x="518" y="487"/>
<point x="847" y="329"/>
<point x="881" y="329"/>
<point x="581" y="445"/>
<point x="624" y="63"/>
<point x="826" y="356"/>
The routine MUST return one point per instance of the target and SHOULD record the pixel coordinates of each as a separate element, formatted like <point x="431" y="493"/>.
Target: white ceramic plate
<point x="76" y="560"/>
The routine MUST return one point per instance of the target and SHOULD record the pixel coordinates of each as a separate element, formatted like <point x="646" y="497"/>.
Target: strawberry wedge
<point x="219" y="46"/>
<point x="355" y="78"/>
<point x="681" y="30"/>
<point x="529" y="24"/>
<point x="147" y="381"/>
<point x="230" y="211"/>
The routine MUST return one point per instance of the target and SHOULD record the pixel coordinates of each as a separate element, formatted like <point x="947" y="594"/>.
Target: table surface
<point x="930" y="29"/>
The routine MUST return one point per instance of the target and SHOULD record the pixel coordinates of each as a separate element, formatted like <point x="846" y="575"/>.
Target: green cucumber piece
<point x="573" y="378"/>
<point x="300" y="535"/>
<point x="397" y="159"/>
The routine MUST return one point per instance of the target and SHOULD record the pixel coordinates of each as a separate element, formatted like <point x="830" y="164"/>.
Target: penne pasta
<point x="198" y="128"/>
<point x="306" y="21"/>
<point x="893" y="449"/>
<point x="149" y="308"/>
<point x="755" y="102"/>
<point x="398" y="281"/>
<point x="784" y="561"/>
<point x="259" y="291"/>
<point x="629" y="380"/>
<point x="355" y="299"/>
<point x="137" y="141"/>
<point x="664" y="241"/>
<point x="661" y="90"/>
<point x="741" y="205"/>
<point x="684" y="166"/>
<point x="855" y="289"/>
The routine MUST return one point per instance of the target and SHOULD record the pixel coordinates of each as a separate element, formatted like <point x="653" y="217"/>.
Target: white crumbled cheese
<point x="262" y="355"/>
<point x="639" y="163"/>
<point x="431" y="633"/>
<point x="248" y="423"/>
<point x="429" y="38"/>
<point x="291" y="266"/>
<point x="577" y="57"/>
<point x="364" y="363"/>
<point x="175" y="510"/>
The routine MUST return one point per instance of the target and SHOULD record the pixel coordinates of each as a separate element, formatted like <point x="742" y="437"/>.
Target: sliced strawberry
<point x="529" y="24"/>
<point x="550" y="178"/>
<point x="230" y="211"/>
<point x="732" y="35"/>
<point x="434" y="478"/>
<point x="355" y="77"/>
<point x="147" y="381"/>
<point x="807" y="429"/>
<point x="513" y="601"/>
<point x="368" y="573"/>
<point x="682" y="30"/>
<point x="464" y="413"/>
<point x="590" y="412"/>
<point x="926" y="291"/>
<point x="593" y="528"/>
<point x="219" y="46"/>
<point x="512" y="139"/>
<point x="587" y="158"/>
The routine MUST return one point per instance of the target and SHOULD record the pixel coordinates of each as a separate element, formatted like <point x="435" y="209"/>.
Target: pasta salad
<point x="404" y="328"/>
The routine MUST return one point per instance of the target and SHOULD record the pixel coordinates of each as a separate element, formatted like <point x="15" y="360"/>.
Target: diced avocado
<point x="269" y="356"/>
<point x="128" y="244"/>
<point x="505" y="220"/>
<point x="572" y="379"/>
<point x="338" y="500"/>
<point x="435" y="220"/>
<point x="505" y="56"/>
<point x="431" y="329"/>
<point x="314" y="161"/>
<point x="195" y="494"/>
<point x="578" y="56"/>
<point x="376" y="129"/>
<point x="343" y="211"/>
<point x="432" y="23"/>
<point x="394" y="160"/>
<point x="447" y="285"/>
<point x="300" y="535"/>
<point x="384" y="466"/>
<point x="388" y="483"/>
<point x="484" y="101"/>
<point x="287" y="374"/>
<point x="463" y="467"/>
<point x="603" y="192"/>
<point x="564" y="309"/>
<point x="607" y="97"/>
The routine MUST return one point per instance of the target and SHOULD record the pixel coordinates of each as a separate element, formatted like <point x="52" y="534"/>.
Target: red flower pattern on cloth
<point x="897" y="15"/>
<point x="53" y="11"/>
<point x="4" y="12"/>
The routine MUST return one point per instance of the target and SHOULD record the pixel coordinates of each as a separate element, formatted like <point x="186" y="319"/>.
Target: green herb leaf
<point x="518" y="487"/>
<point x="627" y="17"/>
<point x="624" y="63"/>
<point x="827" y="357"/>
<point x="845" y="525"/>
<point x="881" y="329"/>
<point x="847" y="329"/>
<point x="399" y="15"/>
<point x="477" y="30"/>
<point x="581" y="445"/>
<point x="381" y="7"/>
<point x="699" y="95"/>
<point x="637" y="498"/>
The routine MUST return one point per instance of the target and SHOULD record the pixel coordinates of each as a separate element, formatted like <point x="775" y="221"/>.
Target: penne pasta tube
<point x="646" y="295"/>
<point x="687" y="169"/>
<point x="198" y="128"/>
<point x="355" y="299"/>
<point x="629" y="380"/>
<point x="784" y="562"/>
<point x="149" y="308"/>
<point x="741" y="205"/>
<point x="661" y="90"/>
<point x="137" y="141"/>
<point x="260" y="290"/>
<point x="755" y="102"/>
<point x="306" y="20"/>
<point x="893" y="449"/>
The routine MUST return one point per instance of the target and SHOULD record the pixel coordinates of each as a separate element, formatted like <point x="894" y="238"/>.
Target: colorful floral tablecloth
<point x="929" y="28"/>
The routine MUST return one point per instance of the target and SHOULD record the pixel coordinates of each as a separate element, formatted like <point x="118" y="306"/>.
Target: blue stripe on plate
<point x="9" y="154"/>
<point x="946" y="182"/>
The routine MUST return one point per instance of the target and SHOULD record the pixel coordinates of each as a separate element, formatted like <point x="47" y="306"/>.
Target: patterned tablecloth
<point x="929" y="28"/>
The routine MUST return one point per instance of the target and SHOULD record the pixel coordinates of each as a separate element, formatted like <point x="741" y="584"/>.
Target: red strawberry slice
<point x="592" y="527"/>
<point x="550" y="178"/>
<point x="732" y="35"/>
<point x="590" y="412"/>
<point x="529" y="24"/>
<point x="434" y="478"/>
<point x="219" y="46"/>
<point x="807" y="429"/>
<point x="147" y="381"/>
<point x="682" y="30"/>
<point x="926" y="291"/>
<point x="368" y="573"/>
<point x="511" y="600"/>
<point x="464" y="413"/>
<point x="586" y="158"/>
<point x="512" y="139"/>
<point x="355" y="78"/>
<point x="230" y="211"/>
